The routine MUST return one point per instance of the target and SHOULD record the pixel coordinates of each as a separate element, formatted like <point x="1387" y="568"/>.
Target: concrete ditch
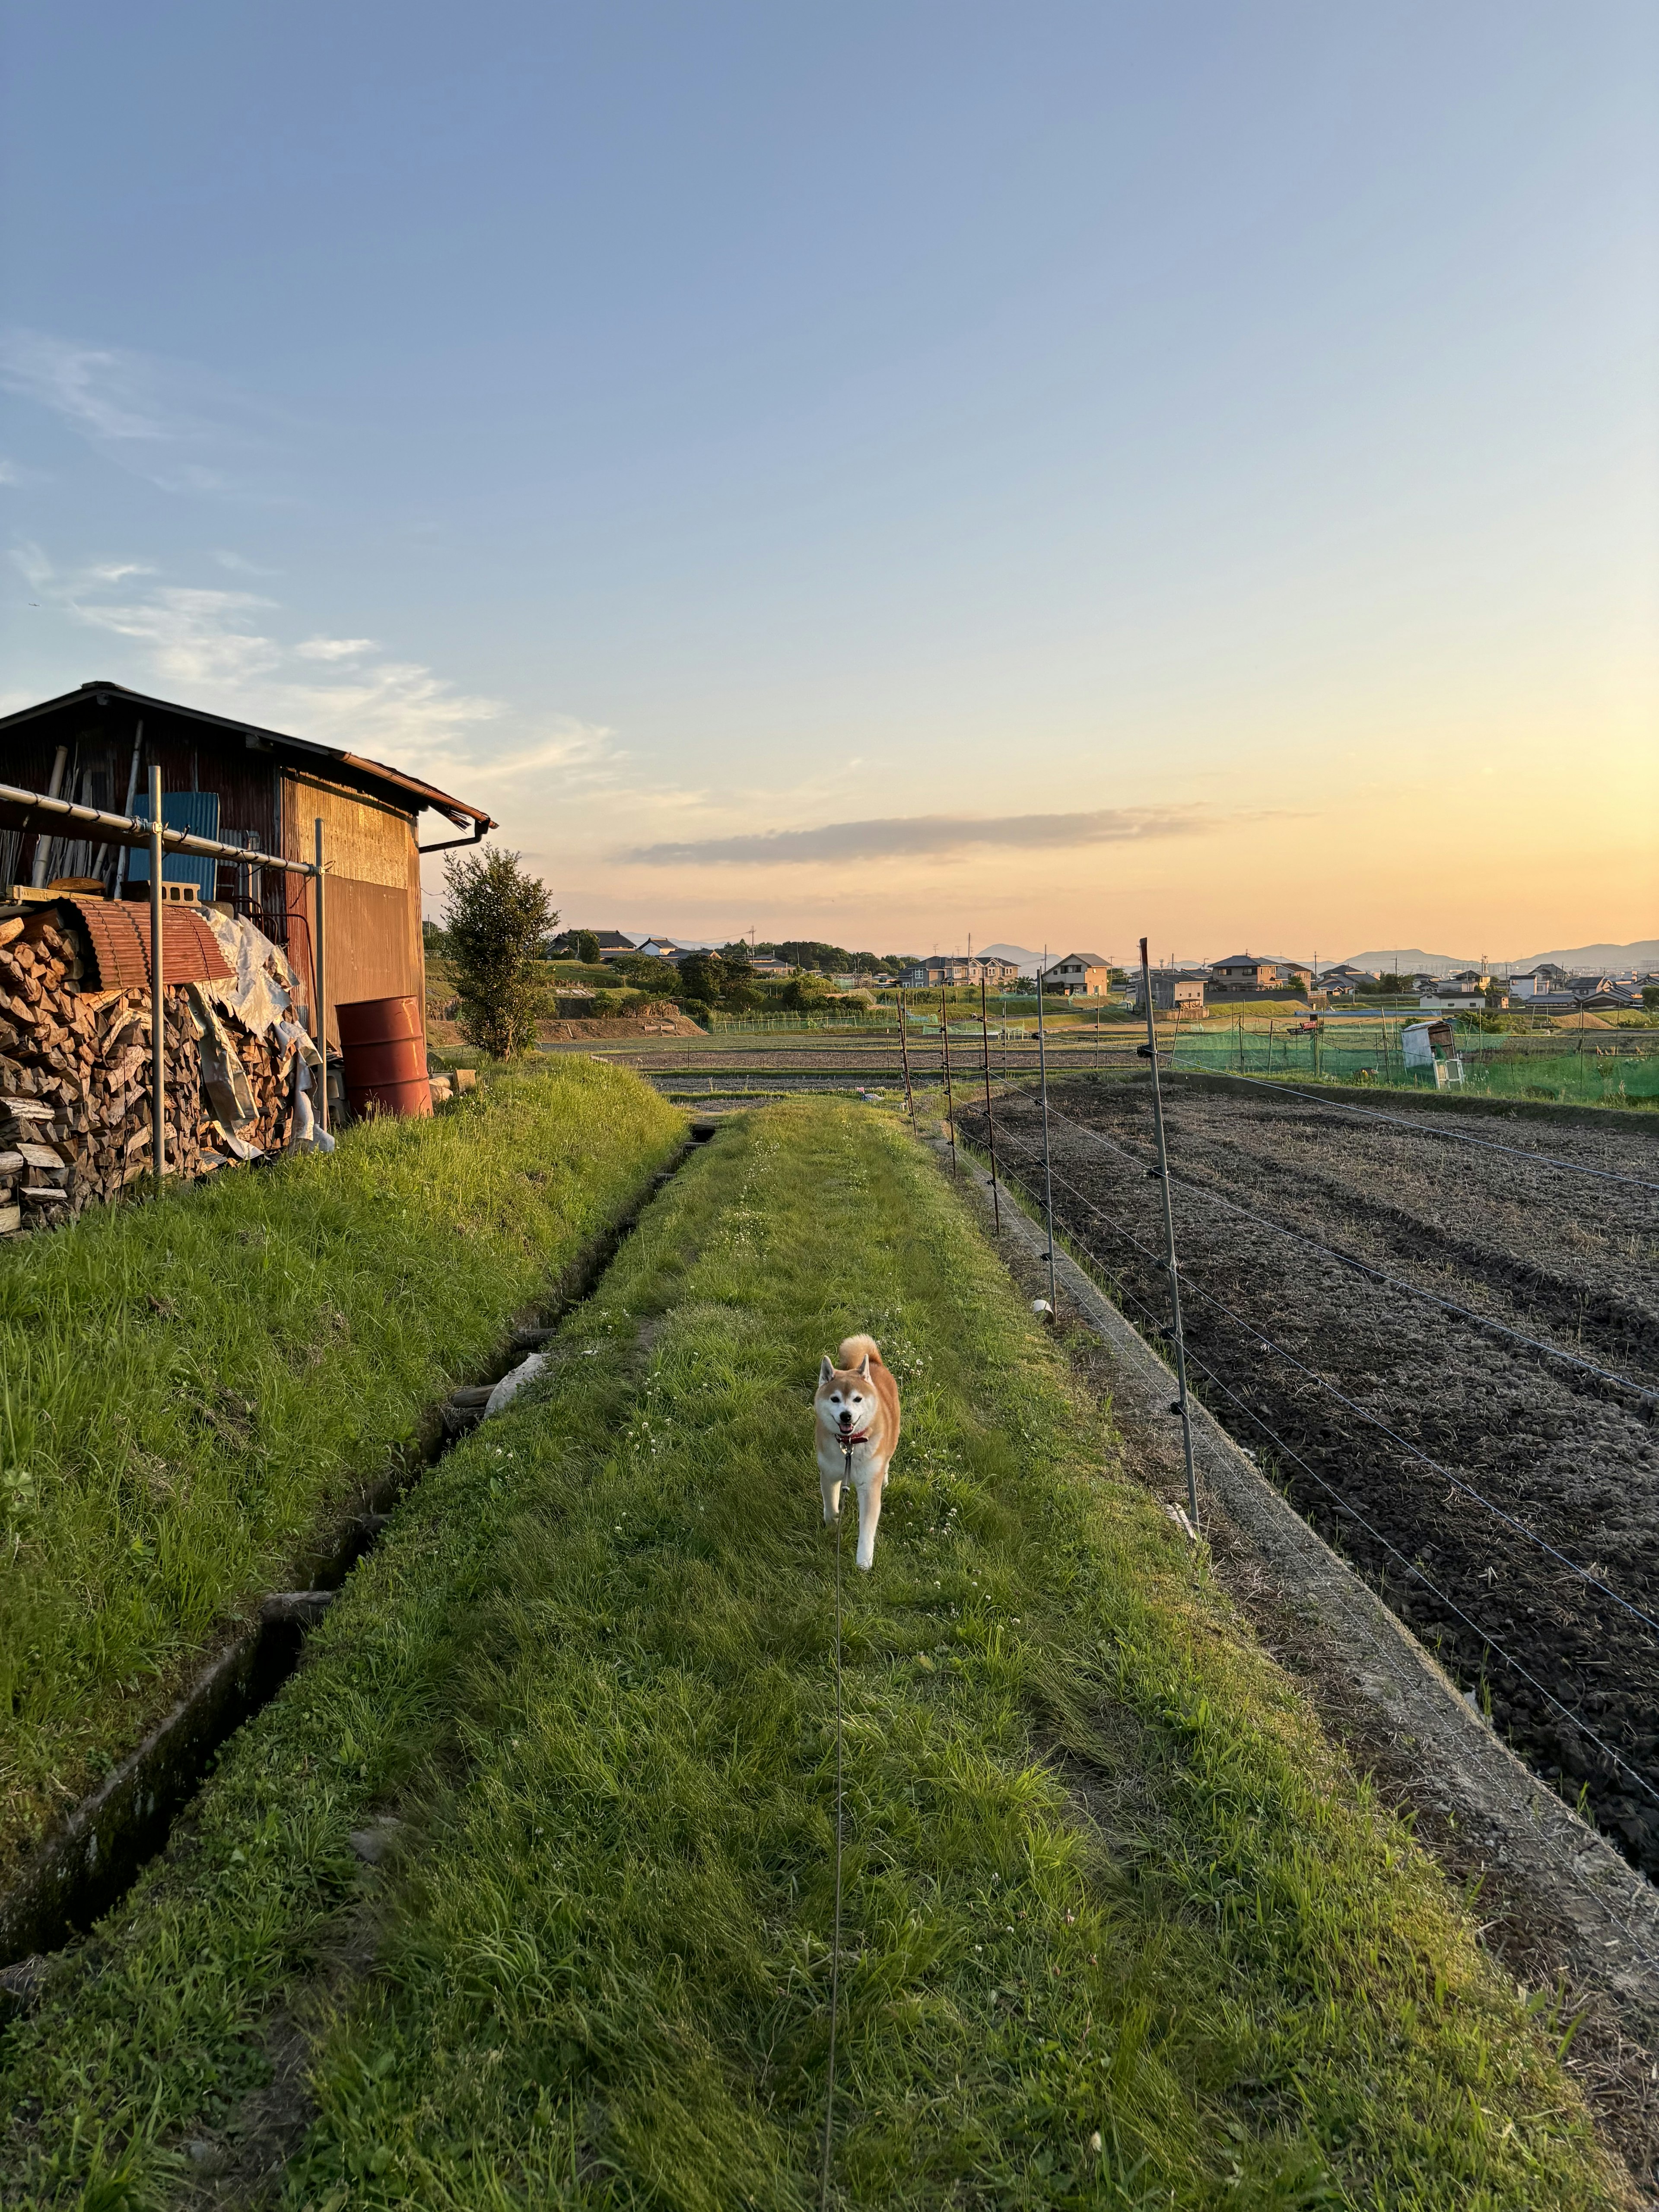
<point x="86" y="1862"/>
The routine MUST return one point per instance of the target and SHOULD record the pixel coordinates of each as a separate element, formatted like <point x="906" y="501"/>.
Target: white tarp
<point x="263" y="989"/>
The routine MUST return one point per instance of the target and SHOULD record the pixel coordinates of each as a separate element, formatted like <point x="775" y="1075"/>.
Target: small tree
<point x="586" y="946"/>
<point x="497" y="917"/>
<point x="647" y="972"/>
<point x="701" y="977"/>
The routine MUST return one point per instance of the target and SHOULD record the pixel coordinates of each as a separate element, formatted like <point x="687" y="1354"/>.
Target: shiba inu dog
<point x="856" y="1404"/>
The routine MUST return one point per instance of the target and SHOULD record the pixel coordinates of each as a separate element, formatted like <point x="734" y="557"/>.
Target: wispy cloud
<point x="170" y="420"/>
<point x="98" y="389"/>
<point x="932" y="836"/>
<point x="334" y="648"/>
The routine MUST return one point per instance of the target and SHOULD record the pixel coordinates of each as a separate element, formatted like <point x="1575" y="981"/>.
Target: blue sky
<point x="1191" y="468"/>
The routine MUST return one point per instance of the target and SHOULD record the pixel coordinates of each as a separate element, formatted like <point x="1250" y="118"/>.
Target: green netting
<point x="1611" y="1068"/>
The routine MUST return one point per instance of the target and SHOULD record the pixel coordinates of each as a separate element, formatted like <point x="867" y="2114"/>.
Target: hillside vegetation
<point x="187" y="1386"/>
<point x="1120" y="1928"/>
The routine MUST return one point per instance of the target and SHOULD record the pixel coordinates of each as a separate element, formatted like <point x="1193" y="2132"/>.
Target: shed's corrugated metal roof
<point x="459" y="811"/>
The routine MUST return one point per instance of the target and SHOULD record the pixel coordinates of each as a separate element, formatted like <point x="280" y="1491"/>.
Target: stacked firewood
<point x="75" y="1104"/>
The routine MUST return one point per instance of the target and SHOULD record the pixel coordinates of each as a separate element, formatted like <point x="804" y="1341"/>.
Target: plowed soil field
<point x="1467" y="1474"/>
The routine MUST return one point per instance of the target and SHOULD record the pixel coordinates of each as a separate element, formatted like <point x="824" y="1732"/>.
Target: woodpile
<point x="76" y="1111"/>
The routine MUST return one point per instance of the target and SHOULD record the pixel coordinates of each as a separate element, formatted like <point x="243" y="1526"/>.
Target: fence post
<point x="1181" y="1405"/>
<point x="990" y="1120"/>
<point x="949" y="1106"/>
<point x="1048" y="1173"/>
<point x="904" y="1054"/>
<point x="157" y="1019"/>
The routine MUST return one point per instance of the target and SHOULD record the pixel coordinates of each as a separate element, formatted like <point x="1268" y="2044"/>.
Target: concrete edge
<point x="1541" y="1841"/>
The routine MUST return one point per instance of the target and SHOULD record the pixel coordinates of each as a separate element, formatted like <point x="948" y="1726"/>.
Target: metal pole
<point x="990" y="1123"/>
<point x="904" y="1054"/>
<point x="157" y="1020"/>
<point x="949" y="1104"/>
<point x="1183" y="1405"/>
<point x="322" y="985"/>
<point x="43" y="845"/>
<point x="135" y="767"/>
<point x="1047" y="1174"/>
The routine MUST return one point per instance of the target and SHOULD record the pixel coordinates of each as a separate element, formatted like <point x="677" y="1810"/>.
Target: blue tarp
<point x="197" y="812"/>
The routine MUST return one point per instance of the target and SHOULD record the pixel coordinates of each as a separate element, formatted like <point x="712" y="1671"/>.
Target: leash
<point x="835" y="1953"/>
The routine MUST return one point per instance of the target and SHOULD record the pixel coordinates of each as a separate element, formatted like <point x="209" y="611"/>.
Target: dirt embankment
<point x="1273" y="1321"/>
<point x="639" y="1022"/>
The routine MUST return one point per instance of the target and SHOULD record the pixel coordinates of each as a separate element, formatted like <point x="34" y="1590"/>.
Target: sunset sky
<point x="878" y="472"/>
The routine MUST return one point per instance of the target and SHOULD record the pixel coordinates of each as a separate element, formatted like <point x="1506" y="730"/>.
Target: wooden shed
<point x="260" y="789"/>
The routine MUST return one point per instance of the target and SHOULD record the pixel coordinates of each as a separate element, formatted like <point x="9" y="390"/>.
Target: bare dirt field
<point x="1276" y="1326"/>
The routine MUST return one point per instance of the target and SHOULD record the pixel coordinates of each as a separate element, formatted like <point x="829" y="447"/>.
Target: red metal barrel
<point x="383" y="1047"/>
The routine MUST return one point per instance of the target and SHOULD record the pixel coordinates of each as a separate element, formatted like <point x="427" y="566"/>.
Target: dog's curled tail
<point x="855" y="1348"/>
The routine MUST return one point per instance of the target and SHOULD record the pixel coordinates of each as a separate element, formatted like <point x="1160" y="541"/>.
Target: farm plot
<point x="1504" y="1500"/>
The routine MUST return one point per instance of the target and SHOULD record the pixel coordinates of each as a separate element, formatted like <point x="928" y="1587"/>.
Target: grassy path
<point x="186" y="1387"/>
<point x="1122" y="1929"/>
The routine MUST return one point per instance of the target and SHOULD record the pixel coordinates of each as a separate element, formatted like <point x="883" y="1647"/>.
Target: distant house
<point x="1242" y="971"/>
<point x="613" y="945"/>
<point x="1537" y="982"/>
<point x="948" y="971"/>
<point x="1174" y="990"/>
<point x="1257" y="975"/>
<point x="1346" y="978"/>
<point x="1079" y="976"/>
<point x="1452" y="999"/>
<point x="764" y="964"/>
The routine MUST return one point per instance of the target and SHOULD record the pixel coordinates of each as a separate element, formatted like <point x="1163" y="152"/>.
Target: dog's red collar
<point x="863" y="1437"/>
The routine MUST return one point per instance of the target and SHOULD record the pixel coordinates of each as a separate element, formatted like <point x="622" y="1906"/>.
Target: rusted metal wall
<point x="372" y="904"/>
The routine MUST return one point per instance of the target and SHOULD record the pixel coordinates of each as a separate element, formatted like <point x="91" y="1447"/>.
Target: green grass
<point x="186" y="1387"/>
<point x="1104" y="1878"/>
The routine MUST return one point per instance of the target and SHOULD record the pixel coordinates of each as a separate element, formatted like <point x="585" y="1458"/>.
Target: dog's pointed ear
<point x="863" y="1367"/>
<point x="825" y="1371"/>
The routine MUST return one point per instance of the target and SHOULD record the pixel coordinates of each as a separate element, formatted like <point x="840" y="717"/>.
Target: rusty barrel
<point x="383" y="1044"/>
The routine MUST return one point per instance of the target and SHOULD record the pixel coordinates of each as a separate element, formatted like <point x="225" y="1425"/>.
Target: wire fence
<point x="1025" y="1156"/>
<point x="1590" y="1066"/>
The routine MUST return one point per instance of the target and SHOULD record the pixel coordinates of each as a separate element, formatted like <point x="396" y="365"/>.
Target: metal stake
<point x="990" y="1123"/>
<point x="157" y="1022"/>
<point x="1183" y="1405"/>
<point x="950" y="1104"/>
<point x="904" y="1054"/>
<point x="1047" y="1174"/>
<point x="322" y="980"/>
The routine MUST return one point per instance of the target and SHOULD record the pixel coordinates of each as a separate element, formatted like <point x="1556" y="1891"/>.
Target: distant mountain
<point x="1583" y="958"/>
<point x="1407" y="960"/>
<point x="1579" y="959"/>
<point x="1023" y="958"/>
